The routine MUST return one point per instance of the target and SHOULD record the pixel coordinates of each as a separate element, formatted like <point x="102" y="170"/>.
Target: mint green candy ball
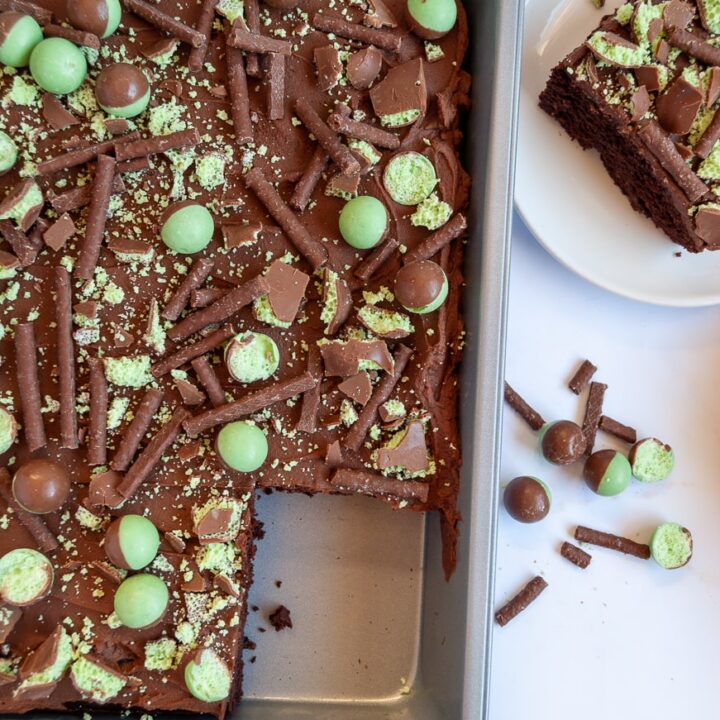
<point x="207" y="677"/>
<point x="100" y="17"/>
<point x="129" y="111"/>
<point x="431" y="19"/>
<point x="8" y="152"/>
<point x="242" y="446"/>
<point x="188" y="228"/>
<point x="363" y="222"/>
<point x="58" y="66"/>
<point x="141" y="600"/>
<point x="22" y="34"/>
<point x="131" y="542"/>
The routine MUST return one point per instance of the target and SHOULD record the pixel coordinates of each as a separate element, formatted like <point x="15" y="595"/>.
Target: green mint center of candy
<point x="652" y="461"/>
<point x="8" y="152"/>
<point x="410" y="178"/>
<point x="671" y="545"/>
<point x="209" y="680"/>
<point x="96" y="682"/>
<point x="252" y="357"/>
<point x="437" y="15"/>
<point x="23" y="575"/>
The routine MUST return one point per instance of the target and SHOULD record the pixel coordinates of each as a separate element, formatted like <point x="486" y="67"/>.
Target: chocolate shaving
<point x="381" y="394"/>
<point x="612" y="542"/>
<point x="251" y="403"/>
<point x="26" y="369"/>
<point x="374" y="484"/>
<point x="145" y="463"/>
<point x="452" y="230"/>
<point x="352" y="31"/>
<point x="240" y="234"/>
<point x="66" y="359"/>
<point x="207" y="377"/>
<point x="582" y="377"/>
<point x="575" y="555"/>
<point x="97" y="430"/>
<point x="239" y="95"/>
<point x="521" y="601"/>
<point x="102" y="491"/>
<point x="21" y="244"/>
<point x="694" y="46"/>
<point x="344" y="358"/>
<point x="186" y="354"/>
<point x="82" y="155"/>
<point x="242" y="39"/>
<point x="174" y="541"/>
<point x="197" y="55"/>
<point x="531" y="416"/>
<point x="159" y="144"/>
<point x="57" y="235"/>
<point x="136" y="430"/>
<point x="357" y="387"/>
<point x="363" y="131"/>
<point x="198" y="274"/>
<point x="311" y="249"/>
<point x="286" y="289"/>
<point x="276" y="87"/>
<point x="19" y="196"/>
<point x="593" y="411"/>
<point x="41" y="14"/>
<point x="206" y="296"/>
<point x="166" y="23"/>
<point x="328" y="67"/>
<point x="309" y="180"/>
<point x="640" y="102"/>
<point x="280" y="619"/>
<point x="704" y="146"/>
<point x="55" y="114"/>
<point x="613" y="427"/>
<point x="376" y="259"/>
<point x="79" y="37"/>
<point x="79" y="197"/>
<point x="311" y="399"/>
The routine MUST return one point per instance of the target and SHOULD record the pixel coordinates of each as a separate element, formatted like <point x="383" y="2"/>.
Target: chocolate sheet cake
<point x="231" y="259"/>
<point x="643" y="91"/>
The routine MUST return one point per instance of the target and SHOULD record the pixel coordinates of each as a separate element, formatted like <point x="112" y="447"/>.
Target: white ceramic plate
<point x="569" y="202"/>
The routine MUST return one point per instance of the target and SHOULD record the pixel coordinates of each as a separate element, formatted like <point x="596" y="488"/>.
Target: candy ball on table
<point x="242" y="446"/>
<point x="131" y="542"/>
<point x="122" y="90"/>
<point x="431" y="19"/>
<point x="208" y="677"/>
<point x="562" y="442"/>
<point x="41" y="486"/>
<point x="251" y="356"/>
<point x="671" y="546"/>
<point x="99" y="17"/>
<point x="141" y="600"/>
<point x="187" y="227"/>
<point x="363" y="222"/>
<point x="421" y="286"/>
<point x="58" y="66"/>
<point x="527" y="499"/>
<point x="651" y="460"/>
<point x="607" y="472"/>
<point x="19" y="35"/>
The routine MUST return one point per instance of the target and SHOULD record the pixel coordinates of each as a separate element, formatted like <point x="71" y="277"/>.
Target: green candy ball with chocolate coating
<point x="651" y="460"/>
<point x="187" y="228"/>
<point x="208" y="677"/>
<point x="363" y="222"/>
<point x="671" y="546"/>
<point x="607" y="472"/>
<point x="20" y="34"/>
<point x="8" y="152"/>
<point x="141" y="600"/>
<point x="99" y="17"/>
<point x="421" y="286"/>
<point x="58" y="66"/>
<point x="122" y="90"/>
<point x="431" y="19"/>
<point x="131" y="542"/>
<point x="242" y="446"/>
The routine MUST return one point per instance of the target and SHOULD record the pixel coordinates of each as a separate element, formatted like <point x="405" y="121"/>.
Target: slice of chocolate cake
<point x="643" y="91"/>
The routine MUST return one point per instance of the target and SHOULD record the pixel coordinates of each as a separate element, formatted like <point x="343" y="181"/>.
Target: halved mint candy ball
<point x="26" y="577"/>
<point x="207" y="677"/>
<point x="141" y="600"/>
<point x="8" y="430"/>
<point x="409" y="178"/>
<point x="363" y="222"/>
<point x="651" y="460"/>
<point x="58" y="66"/>
<point x="251" y="356"/>
<point x="187" y="227"/>
<point x="8" y="152"/>
<point x="122" y="90"/>
<point x="99" y="17"/>
<point x="131" y="542"/>
<point x="431" y="19"/>
<point x="242" y="446"/>
<point x="421" y="286"/>
<point x="19" y="34"/>
<point x="671" y="546"/>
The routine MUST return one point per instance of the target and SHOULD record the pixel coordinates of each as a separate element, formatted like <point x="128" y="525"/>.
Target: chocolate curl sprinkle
<point x="612" y="542"/>
<point x="251" y="403"/>
<point x="694" y="46"/>
<point x="159" y="144"/>
<point x="41" y="14"/>
<point x="79" y="37"/>
<point x="166" y="23"/>
<point x="582" y="377"/>
<point x="239" y="95"/>
<point x="97" y="215"/>
<point x="312" y="250"/>
<point x="186" y="354"/>
<point x="34" y="524"/>
<point x="575" y="555"/>
<point x="208" y="379"/>
<point x="79" y="197"/>
<point x="241" y="39"/>
<point x="311" y="399"/>
<point x="66" y="359"/>
<point x="377" y="258"/>
<point x="363" y="131"/>
<point x="452" y="230"/>
<point x="136" y="430"/>
<point x="613" y="427"/>
<point x="276" y="87"/>
<point x="198" y="274"/>
<point x="26" y="368"/>
<point x="521" y="601"/>
<point x="141" y="469"/>
<point x="531" y="416"/>
<point x="311" y="177"/>
<point x="229" y="304"/>
<point x="351" y="31"/>
<point x="204" y="27"/>
<point x="97" y="430"/>
<point x="593" y="411"/>
<point x="381" y="394"/>
<point x="252" y="20"/>
<point x="329" y="140"/>
<point x="369" y="483"/>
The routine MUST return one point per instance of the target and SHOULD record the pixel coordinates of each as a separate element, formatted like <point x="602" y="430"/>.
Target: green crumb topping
<point x="87" y="519"/>
<point x="701" y="124"/>
<point x="406" y="117"/>
<point x="652" y="460"/>
<point x="231" y="9"/>
<point x="155" y="336"/>
<point x="385" y="323"/>
<point x="365" y="149"/>
<point x="133" y="372"/>
<point x="83" y="101"/>
<point x="55" y="671"/>
<point x="330" y="298"/>
<point x="431" y="213"/>
<point x="210" y="170"/>
<point x="8" y="666"/>
<point x="113" y="294"/>
<point x="116" y="411"/>
<point x="217" y="557"/>
<point x="160" y="654"/>
<point x="409" y="178"/>
<point x="31" y="198"/>
<point x="433" y="52"/>
<point x="166" y="118"/>
<point x="645" y="13"/>
<point x="395" y="408"/>
<point x="624" y="13"/>
<point x="603" y="45"/>
<point x="264" y="313"/>
<point x="233" y="524"/>
<point x="180" y="161"/>
<point x="373" y="298"/>
<point x="166" y="58"/>
<point x="94" y="681"/>
<point x="348" y="414"/>
<point x="671" y="546"/>
<point x="7" y="273"/>
<point x="208" y="677"/>
<point x="25" y="576"/>
<point x="21" y="93"/>
<point x="710" y="167"/>
<point x="333" y="189"/>
<point x="711" y="14"/>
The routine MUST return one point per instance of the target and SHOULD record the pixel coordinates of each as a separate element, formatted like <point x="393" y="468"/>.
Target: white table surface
<point x="623" y="639"/>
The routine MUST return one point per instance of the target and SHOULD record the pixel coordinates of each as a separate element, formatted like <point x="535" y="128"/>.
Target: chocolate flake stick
<point x="205" y="296"/>
<point x="582" y="377"/>
<point x="531" y="416"/>
<point x="356" y="436"/>
<point x="613" y="427"/>
<point x="166" y="23"/>
<point x="694" y="46"/>
<point x="575" y="555"/>
<point x="79" y="37"/>
<point x="204" y="27"/>
<point x="352" y="31"/>
<point x="129" y="166"/>
<point x="311" y="399"/>
<point x="26" y="368"/>
<point x="76" y="157"/>
<point x="377" y="258"/>
<point x="34" y="524"/>
<point x="707" y="141"/>
<point x="136" y="430"/>
<point x="239" y="95"/>
<point x="66" y="359"/>
<point x="370" y="483"/>
<point x="521" y="601"/>
<point x="79" y="197"/>
<point x="329" y="140"/>
<point x="311" y="177"/>
<point x="252" y="19"/>
<point x="97" y="430"/>
<point x="251" y="403"/>
<point x="158" y="144"/>
<point x="612" y="542"/>
<point x="186" y="354"/>
<point x="198" y="274"/>
<point x="240" y="38"/>
<point x="593" y="411"/>
<point x="363" y="131"/>
<point x="97" y="215"/>
<point x="276" y="87"/>
<point x="41" y="14"/>
<point x="453" y="229"/>
<point x="208" y="379"/>
<point x="141" y="469"/>
<point x="224" y="308"/>
<point x="313" y="251"/>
